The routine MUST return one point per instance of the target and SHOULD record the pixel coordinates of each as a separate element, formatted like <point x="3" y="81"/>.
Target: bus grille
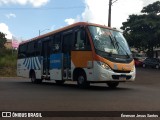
<point x="120" y="71"/>
<point x="117" y="77"/>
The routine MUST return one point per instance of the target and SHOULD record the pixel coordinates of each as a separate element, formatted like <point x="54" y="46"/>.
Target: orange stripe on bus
<point x="81" y="58"/>
<point x="119" y="66"/>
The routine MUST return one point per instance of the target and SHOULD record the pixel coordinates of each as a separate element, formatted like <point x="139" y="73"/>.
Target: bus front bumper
<point x="105" y="75"/>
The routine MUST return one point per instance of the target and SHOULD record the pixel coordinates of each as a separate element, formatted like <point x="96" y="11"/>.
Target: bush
<point x="8" y="62"/>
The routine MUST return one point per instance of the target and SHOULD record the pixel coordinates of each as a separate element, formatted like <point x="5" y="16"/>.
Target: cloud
<point x="70" y="21"/>
<point x="5" y="29"/>
<point x="38" y="3"/>
<point x="122" y="9"/>
<point x="34" y="3"/>
<point x="10" y="15"/>
<point x="147" y="2"/>
<point x="96" y="11"/>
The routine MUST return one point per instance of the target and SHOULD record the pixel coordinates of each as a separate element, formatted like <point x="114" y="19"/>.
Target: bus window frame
<point x="66" y="33"/>
<point x="87" y="43"/>
<point x="20" y="52"/>
<point x="31" y="49"/>
<point x="56" y="45"/>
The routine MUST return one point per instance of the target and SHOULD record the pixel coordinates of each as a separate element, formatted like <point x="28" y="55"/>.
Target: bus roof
<point x="65" y="28"/>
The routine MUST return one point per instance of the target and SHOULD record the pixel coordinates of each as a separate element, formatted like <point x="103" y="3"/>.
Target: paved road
<point x="141" y="95"/>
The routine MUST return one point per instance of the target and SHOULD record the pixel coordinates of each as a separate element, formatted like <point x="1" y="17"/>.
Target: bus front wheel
<point x="112" y="84"/>
<point x="82" y="81"/>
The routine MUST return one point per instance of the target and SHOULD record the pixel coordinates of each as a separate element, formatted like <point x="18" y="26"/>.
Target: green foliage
<point x="2" y="40"/>
<point x="152" y="8"/>
<point x="143" y="31"/>
<point x="8" y="60"/>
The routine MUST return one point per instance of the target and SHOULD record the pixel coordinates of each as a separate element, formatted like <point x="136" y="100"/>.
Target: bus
<point x="82" y="52"/>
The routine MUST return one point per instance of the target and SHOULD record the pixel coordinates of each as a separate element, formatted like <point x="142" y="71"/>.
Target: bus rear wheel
<point x="157" y="66"/>
<point x="82" y="81"/>
<point x="33" y="78"/>
<point x="112" y="84"/>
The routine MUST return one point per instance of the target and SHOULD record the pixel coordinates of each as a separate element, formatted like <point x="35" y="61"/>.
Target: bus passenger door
<point x="45" y="62"/>
<point x="66" y="50"/>
<point x="56" y="58"/>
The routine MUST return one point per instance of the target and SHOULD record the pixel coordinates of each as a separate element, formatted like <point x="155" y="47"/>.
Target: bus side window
<point x="88" y="45"/>
<point x="30" y="50"/>
<point x="81" y="40"/>
<point x="56" y="44"/>
<point x="22" y="53"/>
<point x="67" y="40"/>
<point x="37" y="47"/>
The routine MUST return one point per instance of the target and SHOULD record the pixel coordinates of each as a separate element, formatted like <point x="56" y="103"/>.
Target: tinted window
<point x="37" y="47"/>
<point x="81" y="40"/>
<point x="22" y="53"/>
<point x="31" y="50"/>
<point x="67" y="40"/>
<point x="55" y="43"/>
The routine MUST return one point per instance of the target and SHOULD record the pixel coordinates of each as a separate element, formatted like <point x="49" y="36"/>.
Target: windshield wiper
<point x="118" y="44"/>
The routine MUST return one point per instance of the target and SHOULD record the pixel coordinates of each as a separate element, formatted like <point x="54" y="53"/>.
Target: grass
<point x="8" y="72"/>
<point x="8" y="60"/>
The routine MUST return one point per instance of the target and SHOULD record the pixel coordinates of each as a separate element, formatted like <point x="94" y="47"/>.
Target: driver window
<point x="81" y="41"/>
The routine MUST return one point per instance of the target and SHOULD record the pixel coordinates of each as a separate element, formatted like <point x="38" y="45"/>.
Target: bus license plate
<point x="122" y="78"/>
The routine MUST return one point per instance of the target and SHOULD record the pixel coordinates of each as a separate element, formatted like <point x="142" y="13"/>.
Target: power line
<point x="45" y="8"/>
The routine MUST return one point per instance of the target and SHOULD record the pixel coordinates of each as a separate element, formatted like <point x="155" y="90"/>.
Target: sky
<point x="25" y="19"/>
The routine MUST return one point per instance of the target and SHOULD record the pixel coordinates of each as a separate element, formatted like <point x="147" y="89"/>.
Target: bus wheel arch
<point x="80" y="76"/>
<point x="31" y="72"/>
<point x="32" y="75"/>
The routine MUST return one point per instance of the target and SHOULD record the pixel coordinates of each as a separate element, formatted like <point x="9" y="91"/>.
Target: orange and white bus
<point x="82" y="52"/>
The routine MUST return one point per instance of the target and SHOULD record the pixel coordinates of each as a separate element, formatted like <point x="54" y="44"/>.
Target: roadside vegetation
<point x="8" y="59"/>
<point x="143" y="31"/>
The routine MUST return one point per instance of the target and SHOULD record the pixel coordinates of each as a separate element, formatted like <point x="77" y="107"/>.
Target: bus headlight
<point x="104" y="65"/>
<point x="133" y="68"/>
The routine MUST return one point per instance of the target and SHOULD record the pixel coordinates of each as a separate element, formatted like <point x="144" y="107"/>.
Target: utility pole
<point x="40" y="31"/>
<point x="109" y="12"/>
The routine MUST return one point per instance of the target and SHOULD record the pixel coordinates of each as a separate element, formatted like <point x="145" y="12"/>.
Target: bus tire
<point x="33" y="78"/>
<point x="144" y="65"/>
<point x="157" y="66"/>
<point x="60" y="82"/>
<point x="82" y="80"/>
<point x="112" y="84"/>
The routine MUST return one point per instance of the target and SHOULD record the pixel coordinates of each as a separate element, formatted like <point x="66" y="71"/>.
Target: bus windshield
<point x="109" y="41"/>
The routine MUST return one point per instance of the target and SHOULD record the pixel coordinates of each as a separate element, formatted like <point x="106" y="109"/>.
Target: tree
<point x="143" y="31"/>
<point x="152" y="8"/>
<point x="2" y="40"/>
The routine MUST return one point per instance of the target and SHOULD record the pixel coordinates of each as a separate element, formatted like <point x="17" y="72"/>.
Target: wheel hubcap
<point x="81" y="79"/>
<point x="32" y="78"/>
